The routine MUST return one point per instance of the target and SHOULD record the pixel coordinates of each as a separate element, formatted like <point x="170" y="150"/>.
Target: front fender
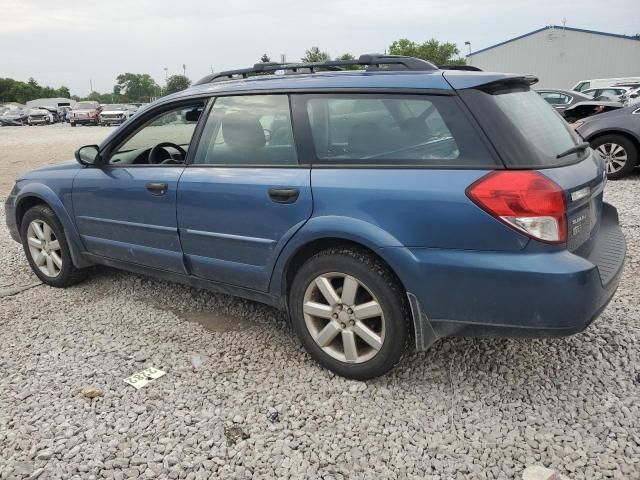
<point x="328" y="227"/>
<point x="48" y="196"/>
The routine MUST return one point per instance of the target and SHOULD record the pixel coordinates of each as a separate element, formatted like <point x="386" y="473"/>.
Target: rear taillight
<point x="526" y="201"/>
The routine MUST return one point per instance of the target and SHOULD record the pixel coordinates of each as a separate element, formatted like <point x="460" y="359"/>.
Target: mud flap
<point x="424" y="333"/>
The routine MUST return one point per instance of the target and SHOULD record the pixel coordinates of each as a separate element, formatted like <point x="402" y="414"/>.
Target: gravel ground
<point x="258" y="407"/>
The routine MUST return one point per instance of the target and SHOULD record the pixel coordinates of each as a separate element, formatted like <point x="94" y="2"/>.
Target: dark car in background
<point x="85" y="113"/>
<point x="615" y="137"/>
<point x="14" y="117"/>
<point x="562" y="99"/>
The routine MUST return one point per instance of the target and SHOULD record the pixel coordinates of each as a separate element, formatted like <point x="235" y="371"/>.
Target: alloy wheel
<point x="614" y="156"/>
<point x="44" y="248"/>
<point x="343" y="317"/>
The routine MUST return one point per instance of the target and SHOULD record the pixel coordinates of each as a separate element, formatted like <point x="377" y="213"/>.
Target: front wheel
<point x="350" y="313"/>
<point x="619" y="154"/>
<point x="46" y="248"/>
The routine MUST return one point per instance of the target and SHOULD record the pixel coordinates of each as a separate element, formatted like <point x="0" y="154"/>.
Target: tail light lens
<point x="526" y="201"/>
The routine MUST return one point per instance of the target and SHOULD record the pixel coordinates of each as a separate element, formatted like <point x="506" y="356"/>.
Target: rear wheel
<point x="72" y="124"/>
<point x="619" y="154"/>
<point x="350" y="313"/>
<point x="46" y="248"/>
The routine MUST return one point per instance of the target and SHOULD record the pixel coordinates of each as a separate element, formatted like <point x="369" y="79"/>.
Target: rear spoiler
<point x="462" y="79"/>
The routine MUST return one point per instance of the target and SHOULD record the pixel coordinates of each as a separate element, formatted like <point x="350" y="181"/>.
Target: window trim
<point x="304" y="135"/>
<point x="138" y="124"/>
<point x="206" y="113"/>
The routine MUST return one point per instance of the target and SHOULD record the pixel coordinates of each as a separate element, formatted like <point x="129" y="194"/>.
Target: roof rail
<point x="371" y="61"/>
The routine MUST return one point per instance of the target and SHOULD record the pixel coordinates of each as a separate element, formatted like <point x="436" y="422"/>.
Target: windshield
<point x="527" y="130"/>
<point x="114" y="106"/>
<point x="85" y="106"/>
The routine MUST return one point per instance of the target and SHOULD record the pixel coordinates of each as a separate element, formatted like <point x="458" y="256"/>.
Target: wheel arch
<point x="622" y="133"/>
<point x="37" y="194"/>
<point x="321" y="233"/>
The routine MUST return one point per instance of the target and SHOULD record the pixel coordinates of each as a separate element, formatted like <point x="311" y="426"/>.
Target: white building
<point x="562" y="56"/>
<point x="51" y="102"/>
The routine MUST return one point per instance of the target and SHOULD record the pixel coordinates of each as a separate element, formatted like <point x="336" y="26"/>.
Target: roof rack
<point x="371" y="61"/>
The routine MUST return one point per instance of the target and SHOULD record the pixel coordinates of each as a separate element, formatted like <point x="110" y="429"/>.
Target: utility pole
<point x="90" y="86"/>
<point x="166" y="74"/>
<point x="283" y="58"/>
<point x="184" y="70"/>
<point x="468" y="44"/>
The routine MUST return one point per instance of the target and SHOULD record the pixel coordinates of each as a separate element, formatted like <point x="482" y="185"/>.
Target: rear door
<point x="245" y="194"/>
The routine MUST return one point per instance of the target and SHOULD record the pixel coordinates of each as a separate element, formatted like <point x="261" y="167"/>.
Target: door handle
<point x="157" y="188"/>
<point x="284" y="195"/>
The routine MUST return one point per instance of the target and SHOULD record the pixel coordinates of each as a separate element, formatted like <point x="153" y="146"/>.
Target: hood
<point x="112" y="112"/>
<point x="64" y="166"/>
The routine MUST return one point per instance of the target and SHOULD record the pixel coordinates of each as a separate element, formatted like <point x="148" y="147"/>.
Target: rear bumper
<point x="522" y="294"/>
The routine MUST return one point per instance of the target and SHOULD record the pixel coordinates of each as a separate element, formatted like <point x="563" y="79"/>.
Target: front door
<point x="125" y="208"/>
<point x="244" y="195"/>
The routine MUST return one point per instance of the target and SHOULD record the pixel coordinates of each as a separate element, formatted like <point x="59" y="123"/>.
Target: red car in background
<point x="85" y="113"/>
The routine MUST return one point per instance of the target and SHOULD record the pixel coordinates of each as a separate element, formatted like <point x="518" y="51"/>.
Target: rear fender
<point x="328" y="227"/>
<point x="44" y="193"/>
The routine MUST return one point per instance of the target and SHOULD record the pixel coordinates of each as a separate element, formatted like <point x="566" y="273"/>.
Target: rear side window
<point x="525" y="129"/>
<point x="391" y="129"/>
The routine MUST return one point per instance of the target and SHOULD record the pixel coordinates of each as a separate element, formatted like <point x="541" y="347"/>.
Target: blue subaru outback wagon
<point x="381" y="208"/>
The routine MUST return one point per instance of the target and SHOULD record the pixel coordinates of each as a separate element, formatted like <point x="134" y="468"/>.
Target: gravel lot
<point x="258" y="407"/>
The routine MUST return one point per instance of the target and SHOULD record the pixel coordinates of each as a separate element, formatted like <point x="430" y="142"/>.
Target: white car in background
<point x="115" y="113"/>
<point x="583" y="85"/>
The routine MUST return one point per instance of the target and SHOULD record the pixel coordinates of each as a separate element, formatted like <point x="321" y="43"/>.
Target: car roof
<point x="412" y="80"/>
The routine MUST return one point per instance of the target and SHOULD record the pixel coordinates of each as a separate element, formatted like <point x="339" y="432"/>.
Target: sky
<point x="73" y="42"/>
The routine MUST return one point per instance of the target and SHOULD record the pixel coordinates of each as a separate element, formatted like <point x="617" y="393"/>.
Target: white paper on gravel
<point x="144" y="377"/>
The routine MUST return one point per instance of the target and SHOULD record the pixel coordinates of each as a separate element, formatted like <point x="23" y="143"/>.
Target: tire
<point x="375" y="283"/>
<point x="64" y="273"/>
<point x="613" y="149"/>
<point x="72" y="124"/>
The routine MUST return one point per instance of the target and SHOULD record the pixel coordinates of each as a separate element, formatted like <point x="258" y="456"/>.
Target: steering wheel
<point x="155" y="151"/>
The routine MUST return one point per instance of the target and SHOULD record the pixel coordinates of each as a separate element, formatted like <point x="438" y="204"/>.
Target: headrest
<point x="242" y="131"/>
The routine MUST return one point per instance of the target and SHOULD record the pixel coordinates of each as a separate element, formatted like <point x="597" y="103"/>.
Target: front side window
<point x="392" y="129"/>
<point x="248" y="130"/>
<point x="164" y="139"/>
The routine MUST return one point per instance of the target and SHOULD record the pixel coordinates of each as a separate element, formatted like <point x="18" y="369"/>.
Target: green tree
<point x="348" y="56"/>
<point x="432" y="50"/>
<point x="136" y="87"/>
<point x="315" y="55"/>
<point x="176" y="83"/>
<point x="265" y="58"/>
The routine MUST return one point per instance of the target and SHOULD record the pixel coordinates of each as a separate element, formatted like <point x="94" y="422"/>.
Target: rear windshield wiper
<point x="577" y="148"/>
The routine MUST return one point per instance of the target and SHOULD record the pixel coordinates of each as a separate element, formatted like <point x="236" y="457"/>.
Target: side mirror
<point x="88" y="155"/>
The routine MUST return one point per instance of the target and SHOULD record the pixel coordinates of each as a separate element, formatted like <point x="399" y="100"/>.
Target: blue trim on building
<point x="557" y="27"/>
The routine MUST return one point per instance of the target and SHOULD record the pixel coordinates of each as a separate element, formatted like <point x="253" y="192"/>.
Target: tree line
<point x="141" y="87"/>
<point x="16" y="91"/>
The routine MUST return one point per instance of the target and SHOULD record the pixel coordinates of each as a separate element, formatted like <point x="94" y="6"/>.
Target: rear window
<point x="390" y="129"/>
<point x="526" y="130"/>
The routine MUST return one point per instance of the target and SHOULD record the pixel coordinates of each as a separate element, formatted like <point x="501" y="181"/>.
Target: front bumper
<point x="83" y="120"/>
<point x="522" y="294"/>
<point x="10" y="215"/>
